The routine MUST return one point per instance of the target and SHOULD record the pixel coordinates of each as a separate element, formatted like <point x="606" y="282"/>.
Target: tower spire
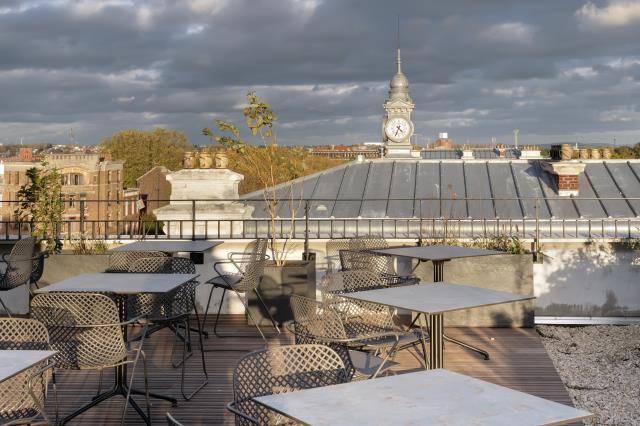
<point x="398" y="61"/>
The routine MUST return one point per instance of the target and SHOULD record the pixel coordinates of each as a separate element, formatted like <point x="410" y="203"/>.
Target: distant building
<point x="91" y="185"/>
<point x="154" y="189"/>
<point x="347" y="152"/>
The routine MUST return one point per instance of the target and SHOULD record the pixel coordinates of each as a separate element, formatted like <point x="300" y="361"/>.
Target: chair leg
<point x="184" y="366"/>
<point x="206" y="310"/>
<point x="246" y="307"/>
<point x="6" y="310"/>
<point x="215" y="325"/>
<point x="275" y="325"/>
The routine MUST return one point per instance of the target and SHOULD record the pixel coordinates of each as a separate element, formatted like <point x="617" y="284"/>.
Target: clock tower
<point x="397" y="127"/>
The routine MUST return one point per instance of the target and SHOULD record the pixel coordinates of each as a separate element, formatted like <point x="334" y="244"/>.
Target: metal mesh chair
<point x="279" y="370"/>
<point x="22" y="397"/>
<point x="250" y="268"/>
<point x="121" y="261"/>
<point x="19" y="266"/>
<point x="171" y="309"/>
<point x="358" y="257"/>
<point x="323" y="323"/>
<point x="333" y="248"/>
<point x="313" y="324"/>
<point x="366" y="317"/>
<point x="87" y="333"/>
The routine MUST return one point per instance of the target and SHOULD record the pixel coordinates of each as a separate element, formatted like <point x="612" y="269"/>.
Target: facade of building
<point x="91" y="186"/>
<point x="154" y="189"/>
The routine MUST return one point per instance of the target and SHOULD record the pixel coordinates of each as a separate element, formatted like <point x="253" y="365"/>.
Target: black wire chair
<point x="121" y="261"/>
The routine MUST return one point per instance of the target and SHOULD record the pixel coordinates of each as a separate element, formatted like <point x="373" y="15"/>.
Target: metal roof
<point x="477" y="189"/>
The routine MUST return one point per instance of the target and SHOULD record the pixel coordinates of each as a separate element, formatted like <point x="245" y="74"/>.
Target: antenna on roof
<point x="398" y="32"/>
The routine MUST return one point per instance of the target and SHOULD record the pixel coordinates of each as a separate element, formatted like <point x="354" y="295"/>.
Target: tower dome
<point x="399" y="84"/>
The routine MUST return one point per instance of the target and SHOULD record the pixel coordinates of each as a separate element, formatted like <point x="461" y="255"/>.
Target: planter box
<point x="66" y="265"/>
<point x="511" y="273"/>
<point x="277" y="285"/>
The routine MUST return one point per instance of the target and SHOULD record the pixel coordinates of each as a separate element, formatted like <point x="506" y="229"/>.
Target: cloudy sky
<point x="557" y="70"/>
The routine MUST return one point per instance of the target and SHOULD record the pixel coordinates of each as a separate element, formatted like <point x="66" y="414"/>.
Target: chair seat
<point x="406" y="338"/>
<point x="367" y="364"/>
<point x="225" y="281"/>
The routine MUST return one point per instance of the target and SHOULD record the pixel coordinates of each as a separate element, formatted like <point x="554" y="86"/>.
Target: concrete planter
<point x="61" y="266"/>
<point x="277" y="285"/>
<point x="511" y="273"/>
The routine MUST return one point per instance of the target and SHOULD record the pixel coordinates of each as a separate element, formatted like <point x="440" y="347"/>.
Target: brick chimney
<point x="565" y="175"/>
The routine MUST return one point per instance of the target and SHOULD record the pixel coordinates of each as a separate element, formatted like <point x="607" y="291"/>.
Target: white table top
<point x="14" y="362"/>
<point x="436" y="252"/>
<point x="169" y="246"/>
<point x="120" y="283"/>
<point x="435" y="397"/>
<point x="433" y="298"/>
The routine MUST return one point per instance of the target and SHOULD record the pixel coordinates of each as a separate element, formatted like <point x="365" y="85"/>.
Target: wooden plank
<point x="518" y="361"/>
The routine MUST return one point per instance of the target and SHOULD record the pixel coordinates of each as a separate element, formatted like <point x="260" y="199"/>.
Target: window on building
<point x="109" y="176"/>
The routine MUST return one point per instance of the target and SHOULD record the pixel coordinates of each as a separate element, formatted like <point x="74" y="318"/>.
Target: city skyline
<point x="557" y="71"/>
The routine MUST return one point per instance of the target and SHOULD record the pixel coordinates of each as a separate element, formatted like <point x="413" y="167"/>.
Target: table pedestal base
<point x="438" y="276"/>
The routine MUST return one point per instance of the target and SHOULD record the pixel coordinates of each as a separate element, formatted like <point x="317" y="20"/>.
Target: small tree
<point x="40" y="204"/>
<point x="269" y="163"/>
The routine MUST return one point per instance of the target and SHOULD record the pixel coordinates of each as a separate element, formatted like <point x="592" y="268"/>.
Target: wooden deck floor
<point x="518" y="361"/>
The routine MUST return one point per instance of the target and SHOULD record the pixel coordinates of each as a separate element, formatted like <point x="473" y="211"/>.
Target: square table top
<point x="15" y="362"/>
<point x="437" y="252"/>
<point x="169" y="246"/>
<point x="420" y="398"/>
<point x="434" y="298"/>
<point x="120" y="283"/>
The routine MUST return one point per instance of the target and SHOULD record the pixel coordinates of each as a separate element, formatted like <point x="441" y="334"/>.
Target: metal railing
<point x="119" y="219"/>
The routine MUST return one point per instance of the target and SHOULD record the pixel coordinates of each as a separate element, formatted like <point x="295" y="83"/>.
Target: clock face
<point x="397" y="129"/>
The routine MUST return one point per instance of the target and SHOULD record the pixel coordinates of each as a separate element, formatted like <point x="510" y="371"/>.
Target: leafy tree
<point x="143" y="150"/>
<point x="269" y="164"/>
<point x="40" y="203"/>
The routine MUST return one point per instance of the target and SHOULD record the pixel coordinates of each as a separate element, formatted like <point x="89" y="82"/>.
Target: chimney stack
<point x="566" y="176"/>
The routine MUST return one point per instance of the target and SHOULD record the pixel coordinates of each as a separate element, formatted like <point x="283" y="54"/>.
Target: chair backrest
<point x="18" y="272"/>
<point x="282" y="369"/>
<point x="365" y="315"/>
<point x="166" y="305"/>
<point x="121" y="261"/>
<point x="357" y="256"/>
<point x="252" y="265"/>
<point x="333" y="253"/>
<point x="319" y="320"/>
<point x="23" y="249"/>
<point x="15" y="401"/>
<point x="83" y="327"/>
<point x="350" y="281"/>
<point x="38" y="266"/>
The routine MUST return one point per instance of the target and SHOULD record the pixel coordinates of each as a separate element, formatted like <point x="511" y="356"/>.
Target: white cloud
<point x="509" y="32"/>
<point x="206" y="6"/>
<point x="583" y="72"/>
<point x="617" y="13"/>
<point x="619" y="116"/>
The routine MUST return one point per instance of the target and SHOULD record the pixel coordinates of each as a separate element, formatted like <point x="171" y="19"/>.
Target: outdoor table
<point x="438" y="255"/>
<point x="13" y="362"/>
<point x="424" y="397"/>
<point x="433" y="300"/>
<point x="122" y="286"/>
<point x="195" y="248"/>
